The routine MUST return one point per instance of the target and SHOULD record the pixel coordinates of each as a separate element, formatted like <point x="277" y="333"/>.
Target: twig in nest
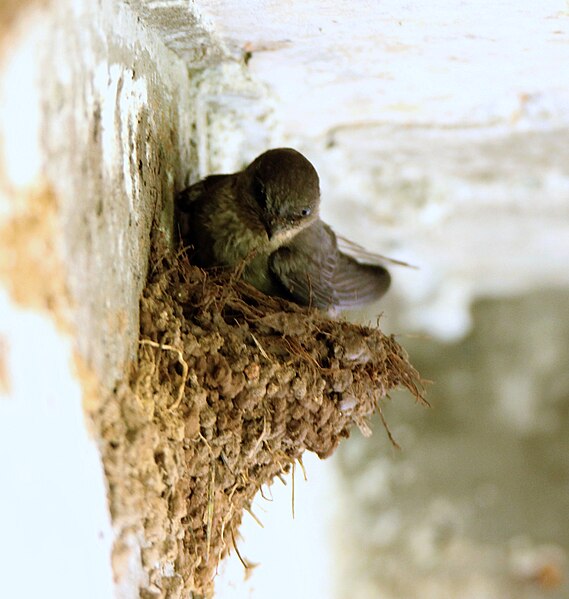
<point x="248" y="312"/>
<point x="183" y="362"/>
<point x="228" y="516"/>
<point x="270" y="499"/>
<point x="209" y="513"/>
<point x="245" y="563"/>
<point x="207" y="444"/>
<point x="263" y="352"/>
<point x="300" y="462"/>
<point x="408" y="376"/>
<point x="296" y="348"/>
<point x="386" y="427"/>
<point x="226" y="462"/>
<point x="261" y="437"/>
<point x="254" y="516"/>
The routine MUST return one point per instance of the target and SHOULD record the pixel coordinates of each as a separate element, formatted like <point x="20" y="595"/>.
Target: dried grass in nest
<point x="230" y="389"/>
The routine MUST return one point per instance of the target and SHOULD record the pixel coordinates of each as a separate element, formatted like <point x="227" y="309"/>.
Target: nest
<point x="231" y="387"/>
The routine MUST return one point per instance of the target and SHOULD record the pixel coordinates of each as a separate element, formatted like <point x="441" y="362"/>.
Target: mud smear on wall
<point x="30" y="261"/>
<point x="10" y="12"/>
<point x="230" y="388"/>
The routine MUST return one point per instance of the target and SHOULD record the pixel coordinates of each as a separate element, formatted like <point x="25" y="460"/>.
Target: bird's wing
<point x="192" y="207"/>
<point x="199" y="190"/>
<point x="359" y="284"/>
<point x="360" y="254"/>
<point x="306" y="265"/>
<point x="316" y="273"/>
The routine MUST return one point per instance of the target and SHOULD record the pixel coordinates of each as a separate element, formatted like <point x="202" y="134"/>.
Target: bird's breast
<point x="280" y="239"/>
<point x="235" y="238"/>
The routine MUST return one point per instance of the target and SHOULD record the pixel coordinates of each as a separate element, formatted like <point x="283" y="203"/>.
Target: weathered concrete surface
<point x="97" y="107"/>
<point x="96" y="116"/>
<point x="480" y="212"/>
<point x="439" y="132"/>
<point x="333" y="63"/>
<point x="125" y="103"/>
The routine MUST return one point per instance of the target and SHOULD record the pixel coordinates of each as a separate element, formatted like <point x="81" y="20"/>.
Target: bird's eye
<point x="305" y="212"/>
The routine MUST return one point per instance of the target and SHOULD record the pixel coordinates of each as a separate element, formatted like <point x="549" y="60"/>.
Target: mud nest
<point x="230" y="388"/>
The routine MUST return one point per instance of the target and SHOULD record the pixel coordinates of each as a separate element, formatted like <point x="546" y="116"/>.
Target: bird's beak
<point x="273" y="227"/>
<point x="268" y="228"/>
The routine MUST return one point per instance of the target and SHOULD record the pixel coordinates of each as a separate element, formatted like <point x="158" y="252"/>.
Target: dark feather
<point x="316" y="273"/>
<point x="199" y="190"/>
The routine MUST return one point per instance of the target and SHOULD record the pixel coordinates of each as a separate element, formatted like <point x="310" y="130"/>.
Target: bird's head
<point x="286" y="191"/>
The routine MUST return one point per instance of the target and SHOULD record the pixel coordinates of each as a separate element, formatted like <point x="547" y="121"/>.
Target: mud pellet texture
<point x="230" y="388"/>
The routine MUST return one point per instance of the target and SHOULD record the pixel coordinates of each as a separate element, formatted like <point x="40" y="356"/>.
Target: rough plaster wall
<point x="438" y="130"/>
<point x="481" y="212"/>
<point x="97" y="107"/>
<point x="234" y="111"/>
<point x="125" y="104"/>
<point x="96" y="116"/>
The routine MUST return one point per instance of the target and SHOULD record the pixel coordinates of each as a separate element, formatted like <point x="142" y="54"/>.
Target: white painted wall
<point x="439" y="130"/>
<point x="95" y="113"/>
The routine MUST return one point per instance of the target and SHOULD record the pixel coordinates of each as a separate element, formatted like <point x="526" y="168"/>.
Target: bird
<point x="265" y="218"/>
